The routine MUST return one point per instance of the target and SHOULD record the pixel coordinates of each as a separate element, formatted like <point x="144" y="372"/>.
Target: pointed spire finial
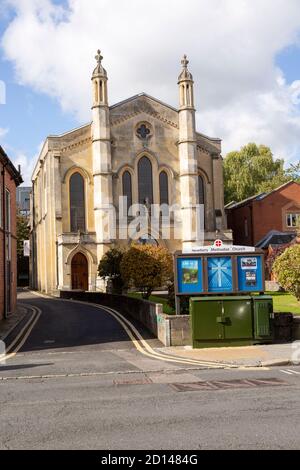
<point x="185" y="74"/>
<point x="184" y="61"/>
<point x="99" y="70"/>
<point x="98" y="57"/>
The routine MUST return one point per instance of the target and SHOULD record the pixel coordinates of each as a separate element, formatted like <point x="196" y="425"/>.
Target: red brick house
<point x="9" y="180"/>
<point x="252" y="219"/>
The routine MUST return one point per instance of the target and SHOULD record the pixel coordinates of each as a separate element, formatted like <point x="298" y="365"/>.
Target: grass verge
<point x="157" y="300"/>
<point x="285" y="302"/>
<point x="282" y="302"/>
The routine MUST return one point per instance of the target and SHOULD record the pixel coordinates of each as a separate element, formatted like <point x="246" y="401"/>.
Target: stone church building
<point x="140" y="148"/>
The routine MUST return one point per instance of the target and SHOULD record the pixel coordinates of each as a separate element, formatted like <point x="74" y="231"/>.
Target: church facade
<point x="141" y="151"/>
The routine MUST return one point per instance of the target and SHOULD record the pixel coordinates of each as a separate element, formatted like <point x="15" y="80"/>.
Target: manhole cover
<point x="225" y="384"/>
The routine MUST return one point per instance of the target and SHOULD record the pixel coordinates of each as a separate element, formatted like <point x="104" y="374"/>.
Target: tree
<point x="147" y="267"/>
<point x="287" y="270"/>
<point x="250" y="171"/>
<point x="110" y="267"/>
<point x="293" y="172"/>
<point x="23" y="232"/>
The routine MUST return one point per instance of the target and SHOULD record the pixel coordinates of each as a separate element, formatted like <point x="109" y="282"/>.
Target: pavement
<point x="7" y="325"/>
<point x="77" y="376"/>
<point x="247" y="356"/>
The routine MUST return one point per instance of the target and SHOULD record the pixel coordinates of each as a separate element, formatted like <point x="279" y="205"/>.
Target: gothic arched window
<point x="201" y="190"/>
<point x="77" y="203"/>
<point x="127" y="188"/>
<point x="201" y="195"/>
<point x="145" y="183"/>
<point x="163" y="188"/>
<point x="147" y="239"/>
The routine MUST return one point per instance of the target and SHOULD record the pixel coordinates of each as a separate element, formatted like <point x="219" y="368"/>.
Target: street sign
<point x="216" y="271"/>
<point x="218" y="247"/>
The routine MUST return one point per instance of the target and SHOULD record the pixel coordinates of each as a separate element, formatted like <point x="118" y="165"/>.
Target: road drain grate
<point x="226" y="384"/>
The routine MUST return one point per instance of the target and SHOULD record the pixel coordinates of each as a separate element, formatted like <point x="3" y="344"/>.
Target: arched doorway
<point x="79" y="270"/>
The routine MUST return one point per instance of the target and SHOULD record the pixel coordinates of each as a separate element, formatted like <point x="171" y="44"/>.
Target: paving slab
<point x="257" y="355"/>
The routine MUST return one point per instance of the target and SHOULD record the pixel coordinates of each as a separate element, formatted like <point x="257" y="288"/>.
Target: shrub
<point x="110" y="267"/>
<point x="287" y="270"/>
<point x="147" y="267"/>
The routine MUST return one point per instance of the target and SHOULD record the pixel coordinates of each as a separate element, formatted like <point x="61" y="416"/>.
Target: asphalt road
<point x="78" y="382"/>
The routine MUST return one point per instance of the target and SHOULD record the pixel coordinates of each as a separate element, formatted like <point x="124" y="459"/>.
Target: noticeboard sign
<point x="223" y="273"/>
<point x="189" y="275"/>
<point x="250" y="273"/>
<point x="219" y="271"/>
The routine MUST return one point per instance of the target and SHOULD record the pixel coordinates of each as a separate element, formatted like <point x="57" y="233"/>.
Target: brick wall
<point x="237" y="220"/>
<point x="269" y="213"/>
<point x="1" y="275"/>
<point x="11" y="186"/>
<point x="264" y="215"/>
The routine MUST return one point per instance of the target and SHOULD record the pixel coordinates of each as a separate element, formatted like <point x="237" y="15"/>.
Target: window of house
<point x="293" y="219"/>
<point x="77" y="203"/>
<point x="7" y="211"/>
<point x="7" y="225"/>
<point x="145" y="182"/>
<point x="127" y="188"/>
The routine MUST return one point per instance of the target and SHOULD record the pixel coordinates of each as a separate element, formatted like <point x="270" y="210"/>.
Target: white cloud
<point x="19" y="158"/>
<point x="270" y="117"/>
<point x="240" y="93"/>
<point x="3" y="132"/>
<point x="27" y="163"/>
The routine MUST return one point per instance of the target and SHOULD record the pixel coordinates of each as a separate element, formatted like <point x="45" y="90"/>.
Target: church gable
<point x="75" y="138"/>
<point x="142" y="123"/>
<point x="209" y="145"/>
<point x="143" y="104"/>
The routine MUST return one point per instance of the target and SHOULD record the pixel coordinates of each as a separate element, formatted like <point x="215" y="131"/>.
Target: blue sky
<point x="246" y="71"/>
<point x="289" y="62"/>
<point x="28" y="116"/>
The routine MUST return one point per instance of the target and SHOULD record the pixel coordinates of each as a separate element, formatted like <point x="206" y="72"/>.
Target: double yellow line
<point x="134" y="335"/>
<point x="23" y="335"/>
<point x="144" y="348"/>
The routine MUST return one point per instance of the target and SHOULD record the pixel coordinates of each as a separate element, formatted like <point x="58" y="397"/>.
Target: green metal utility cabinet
<point x="230" y="321"/>
<point x="262" y="316"/>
